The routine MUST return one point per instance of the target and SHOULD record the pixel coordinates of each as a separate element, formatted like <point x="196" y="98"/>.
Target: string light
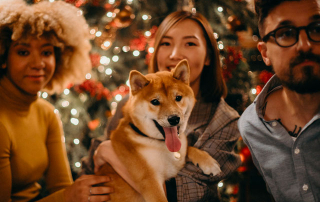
<point x="145" y="17"/>
<point x="220" y="9"/>
<point x="253" y="91"/>
<point x="74" y="121"/>
<point x="76" y="141"/>
<point x="109" y="14"/>
<point x="88" y="76"/>
<point x="44" y="95"/>
<point x="147" y="34"/>
<point x="115" y="58"/>
<point x="150" y="49"/>
<point x="114" y="105"/>
<point x="74" y="112"/>
<point x="98" y="34"/>
<point x="101" y="68"/>
<point x="118" y="97"/>
<point x="79" y="12"/>
<point x="108" y="71"/>
<point x="65" y="103"/>
<point x="125" y="49"/>
<point x="216" y="35"/>
<point x="220" y="184"/>
<point x="136" y="53"/>
<point x="104" y="60"/>
<point x="66" y="91"/>
<point x="77" y="164"/>
<point x="92" y="31"/>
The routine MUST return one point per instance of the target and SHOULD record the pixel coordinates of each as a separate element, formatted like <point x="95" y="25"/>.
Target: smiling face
<point x="185" y="40"/>
<point x="31" y="64"/>
<point x="298" y="66"/>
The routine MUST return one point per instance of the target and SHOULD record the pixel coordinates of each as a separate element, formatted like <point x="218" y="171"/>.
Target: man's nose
<point x="304" y="43"/>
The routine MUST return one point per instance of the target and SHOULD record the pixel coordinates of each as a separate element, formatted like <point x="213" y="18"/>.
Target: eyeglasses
<point x="289" y="35"/>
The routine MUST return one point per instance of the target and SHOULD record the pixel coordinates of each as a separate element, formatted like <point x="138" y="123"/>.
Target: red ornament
<point x="95" y="59"/>
<point x="232" y="60"/>
<point x="93" y="124"/>
<point x="258" y="89"/>
<point x="95" y="89"/>
<point x="264" y="76"/>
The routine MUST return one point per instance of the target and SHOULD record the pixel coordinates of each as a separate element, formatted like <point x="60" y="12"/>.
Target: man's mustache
<point x="303" y="56"/>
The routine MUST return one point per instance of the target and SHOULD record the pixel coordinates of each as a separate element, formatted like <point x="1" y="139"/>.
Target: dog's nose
<point x="174" y="120"/>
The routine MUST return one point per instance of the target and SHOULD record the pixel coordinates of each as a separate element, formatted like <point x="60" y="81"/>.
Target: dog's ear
<point x="137" y="81"/>
<point x="182" y="71"/>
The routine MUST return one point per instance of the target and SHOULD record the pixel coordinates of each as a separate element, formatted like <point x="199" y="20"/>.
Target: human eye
<point x="165" y="43"/>
<point x="314" y="28"/>
<point x="286" y="33"/>
<point x="23" y="52"/>
<point x="47" y="52"/>
<point x="191" y="44"/>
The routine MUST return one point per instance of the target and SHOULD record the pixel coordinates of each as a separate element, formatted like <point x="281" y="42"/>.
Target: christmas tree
<point x="122" y="33"/>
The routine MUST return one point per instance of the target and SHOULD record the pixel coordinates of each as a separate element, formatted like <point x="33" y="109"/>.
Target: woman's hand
<point x="106" y="154"/>
<point x="82" y="190"/>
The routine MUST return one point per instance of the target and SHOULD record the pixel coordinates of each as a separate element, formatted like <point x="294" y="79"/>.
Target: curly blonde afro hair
<point x="60" y="22"/>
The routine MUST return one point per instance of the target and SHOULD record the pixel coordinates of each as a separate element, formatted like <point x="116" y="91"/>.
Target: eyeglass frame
<point x="273" y="33"/>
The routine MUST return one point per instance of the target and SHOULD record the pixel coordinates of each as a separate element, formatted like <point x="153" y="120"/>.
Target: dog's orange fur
<point x="147" y="159"/>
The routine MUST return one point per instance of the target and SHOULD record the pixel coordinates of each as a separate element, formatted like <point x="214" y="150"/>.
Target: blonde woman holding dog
<point x="212" y="125"/>
<point x="42" y="47"/>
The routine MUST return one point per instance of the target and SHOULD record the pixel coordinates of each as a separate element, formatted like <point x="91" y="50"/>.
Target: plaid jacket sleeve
<point x="218" y="139"/>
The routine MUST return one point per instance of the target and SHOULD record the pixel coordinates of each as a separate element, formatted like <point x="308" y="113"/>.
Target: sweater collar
<point x="13" y="96"/>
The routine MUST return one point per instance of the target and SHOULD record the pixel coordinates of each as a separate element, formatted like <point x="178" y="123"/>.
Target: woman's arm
<point x="5" y="167"/>
<point x="58" y="175"/>
<point x="192" y="183"/>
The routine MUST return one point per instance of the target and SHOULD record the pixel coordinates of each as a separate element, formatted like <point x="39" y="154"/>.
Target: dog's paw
<point x="210" y="166"/>
<point x="201" y="158"/>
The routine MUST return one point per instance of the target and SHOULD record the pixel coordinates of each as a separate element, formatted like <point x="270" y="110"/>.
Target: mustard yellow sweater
<point x="31" y="147"/>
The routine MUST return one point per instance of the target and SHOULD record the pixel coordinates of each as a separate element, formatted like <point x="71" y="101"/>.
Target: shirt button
<point x="274" y="124"/>
<point x="305" y="187"/>
<point x="297" y="151"/>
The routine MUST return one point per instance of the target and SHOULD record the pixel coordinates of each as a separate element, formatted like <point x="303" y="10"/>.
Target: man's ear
<point x="262" y="47"/>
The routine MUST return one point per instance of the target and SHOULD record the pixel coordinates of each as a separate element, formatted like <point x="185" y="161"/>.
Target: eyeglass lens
<point x="288" y="36"/>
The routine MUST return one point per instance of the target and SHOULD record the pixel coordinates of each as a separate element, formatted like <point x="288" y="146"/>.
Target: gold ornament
<point x="234" y="24"/>
<point x="106" y="39"/>
<point x="123" y="18"/>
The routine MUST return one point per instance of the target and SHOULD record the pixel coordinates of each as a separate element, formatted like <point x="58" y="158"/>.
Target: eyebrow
<point x="288" y="22"/>
<point x="185" y="37"/>
<point x="28" y="45"/>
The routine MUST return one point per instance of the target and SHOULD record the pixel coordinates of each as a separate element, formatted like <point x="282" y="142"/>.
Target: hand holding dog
<point x="83" y="189"/>
<point x="106" y="154"/>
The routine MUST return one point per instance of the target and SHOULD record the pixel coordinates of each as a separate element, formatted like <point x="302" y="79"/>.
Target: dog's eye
<point x="178" y="98"/>
<point x="155" y="102"/>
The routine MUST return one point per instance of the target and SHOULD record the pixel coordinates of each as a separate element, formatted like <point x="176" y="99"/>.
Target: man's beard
<point x="309" y="83"/>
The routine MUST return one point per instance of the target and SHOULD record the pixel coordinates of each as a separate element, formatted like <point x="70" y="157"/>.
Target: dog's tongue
<point x="172" y="140"/>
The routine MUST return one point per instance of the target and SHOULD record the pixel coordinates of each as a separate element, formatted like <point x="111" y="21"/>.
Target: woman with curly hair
<point x="43" y="47"/>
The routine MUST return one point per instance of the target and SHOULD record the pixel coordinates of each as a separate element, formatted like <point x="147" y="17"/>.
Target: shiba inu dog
<point x="149" y="139"/>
